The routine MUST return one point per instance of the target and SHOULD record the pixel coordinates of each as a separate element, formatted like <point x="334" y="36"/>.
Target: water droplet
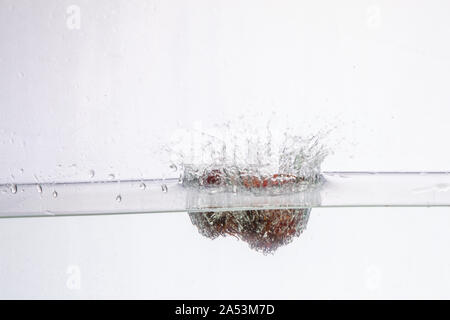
<point x="91" y="173"/>
<point x="142" y="186"/>
<point x="173" y="167"/>
<point x="119" y="198"/>
<point x="55" y="194"/>
<point x="234" y="189"/>
<point x="180" y="179"/>
<point x="13" y="188"/>
<point x="164" y="188"/>
<point x="21" y="170"/>
<point x="39" y="188"/>
<point x="111" y="176"/>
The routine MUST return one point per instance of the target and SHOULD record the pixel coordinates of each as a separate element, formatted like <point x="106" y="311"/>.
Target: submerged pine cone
<point x="263" y="230"/>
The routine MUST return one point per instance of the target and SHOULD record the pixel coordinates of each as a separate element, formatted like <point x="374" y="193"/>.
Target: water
<point x="244" y="155"/>
<point x="13" y="188"/>
<point x="338" y="189"/>
<point x="264" y="230"/>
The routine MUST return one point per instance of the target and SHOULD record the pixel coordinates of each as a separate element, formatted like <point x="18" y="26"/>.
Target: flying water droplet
<point x="164" y="188"/>
<point x="119" y="198"/>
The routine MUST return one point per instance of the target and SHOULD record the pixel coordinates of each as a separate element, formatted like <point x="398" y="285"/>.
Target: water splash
<point x="248" y="154"/>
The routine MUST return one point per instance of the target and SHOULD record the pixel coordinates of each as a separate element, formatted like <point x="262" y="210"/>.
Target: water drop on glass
<point x="111" y="176"/>
<point x="164" y="188"/>
<point x="173" y="167"/>
<point x="119" y="198"/>
<point x="39" y="188"/>
<point x="13" y="188"/>
<point x="55" y="194"/>
<point x="142" y="186"/>
<point x="91" y="173"/>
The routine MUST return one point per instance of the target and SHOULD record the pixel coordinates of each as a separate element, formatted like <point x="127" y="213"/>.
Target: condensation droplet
<point x="142" y="186"/>
<point x="55" y="194"/>
<point x="13" y="188"/>
<point x="164" y="188"/>
<point x="119" y="198"/>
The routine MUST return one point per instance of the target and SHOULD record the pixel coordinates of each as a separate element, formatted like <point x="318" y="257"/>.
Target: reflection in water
<point x="264" y="230"/>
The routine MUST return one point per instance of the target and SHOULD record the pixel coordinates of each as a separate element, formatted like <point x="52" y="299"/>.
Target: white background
<point x="102" y="92"/>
